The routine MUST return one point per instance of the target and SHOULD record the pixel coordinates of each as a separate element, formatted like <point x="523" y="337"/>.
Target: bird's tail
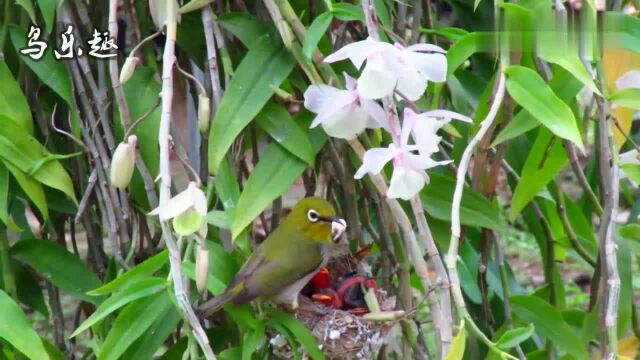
<point x="213" y="305"/>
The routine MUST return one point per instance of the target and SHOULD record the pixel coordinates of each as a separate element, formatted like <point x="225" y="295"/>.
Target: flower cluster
<point x="388" y="70"/>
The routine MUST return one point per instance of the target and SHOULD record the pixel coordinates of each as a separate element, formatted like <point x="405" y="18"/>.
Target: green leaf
<point x="563" y="84"/>
<point x="247" y="92"/>
<point x="4" y="199"/>
<point x="27" y="5"/>
<point x="475" y="209"/>
<point x="32" y="188"/>
<point x="133" y="322"/>
<point x="531" y="92"/>
<point x="546" y="158"/>
<point x="24" y="151"/>
<point x="347" y="12"/>
<point x="276" y="121"/>
<point x="302" y="333"/>
<point x="15" y="329"/>
<point x="513" y="337"/>
<point x="51" y="72"/>
<point x="29" y="291"/>
<point x="315" y="32"/>
<point x="144" y="269"/>
<point x="13" y="104"/>
<point x="149" y="343"/>
<point x="57" y="265"/>
<point x="630" y="232"/>
<point x="629" y="98"/>
<point x="466" y="46"/>
<point x="139" y="289"/>
<point x="251" y="340"/>
<point x="218" y="218"/>
<point x="48" y="10"/>
<point x="245" y="27"/>
<point x="214" y="285"/>
<point x="456" y="352"/>
<point x="632" y="171"/>
<point x="548" y="321"/>
<point x="276" y="171"/>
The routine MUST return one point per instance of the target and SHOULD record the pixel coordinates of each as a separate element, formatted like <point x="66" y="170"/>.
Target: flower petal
<point x="175" y="206"/>
<point x="446" y="114"/>
<point x="199" y="199"/>
<point x="317" y="97"/>
<point x="376" y="81"/>
<point x="374" y="160"/>
<point x="405" y="183"/>
<point x="630" y="79"/>
<point x="350" y="83"/>
<point x="347" y="123"/>
<point x="410" y="82"/>
<point x="188" y="222"/>
<point x="426" y="48"/>
<point x="377" y="118"/>
<point x="630" y="157"/>
<point x="432" y="67"/>
<point x="358" y="51"/>
<point x="422" y="161"/>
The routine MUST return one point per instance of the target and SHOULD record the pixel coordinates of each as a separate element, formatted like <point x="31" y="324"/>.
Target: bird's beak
<point x="338" y="226"/>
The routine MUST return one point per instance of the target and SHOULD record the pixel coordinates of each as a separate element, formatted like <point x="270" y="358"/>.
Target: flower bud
<point x="204" y="113"/>
<point x="383" y="315"/>
<point x="128" y="67"/>
<point x="123" y="162"/>
<point x="202" y="268"/>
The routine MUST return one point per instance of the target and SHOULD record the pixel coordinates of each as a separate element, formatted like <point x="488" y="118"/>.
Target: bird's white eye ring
<point x="312" y="215"/>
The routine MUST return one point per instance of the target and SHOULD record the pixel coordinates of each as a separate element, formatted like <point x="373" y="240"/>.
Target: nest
<point x="341" y="334"/>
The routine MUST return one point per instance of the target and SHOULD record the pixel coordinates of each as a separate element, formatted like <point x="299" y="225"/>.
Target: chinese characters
<point x="101" y="45"/>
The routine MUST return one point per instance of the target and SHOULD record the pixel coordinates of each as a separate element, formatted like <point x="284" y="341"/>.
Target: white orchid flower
<point x="188" y="210"/>
<point x="342" y="113"/>
<point x="409" y="175"/>
<point x="391" y="67"/>
<point x="424" y="127"/>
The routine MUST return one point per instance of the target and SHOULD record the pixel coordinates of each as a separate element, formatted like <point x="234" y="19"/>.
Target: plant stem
<point x="165" y="182"/>
<point x="454" y="244"/>
<point x="7" y="272"/>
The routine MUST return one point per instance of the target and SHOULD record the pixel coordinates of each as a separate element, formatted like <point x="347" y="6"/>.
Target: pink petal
<point x="630" y="157"/>
<point x="422" y="161"/>
<point x="410" y="82"/>
<point x="409" y="119"/>
<point x="630" y="79"/>
<point x="374" y="160"/>
<point x="350" y="83"/>
<point x="317" y="96"/>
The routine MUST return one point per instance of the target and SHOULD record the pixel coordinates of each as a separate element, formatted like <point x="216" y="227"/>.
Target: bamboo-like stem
<point x="506" y="292"/>
<point x="123" y="106"/>
<point x="454" y="244"/>
<point x="212" y="56"/>
<point x="568" y="228"/>
<point x="165" y="182"/>
<point x="610" y="280"/>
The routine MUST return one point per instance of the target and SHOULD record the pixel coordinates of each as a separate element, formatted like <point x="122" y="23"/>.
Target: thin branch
<point x="454" y="244"/>
<point x="582" y="179"/>
<point x="165" y="182"/>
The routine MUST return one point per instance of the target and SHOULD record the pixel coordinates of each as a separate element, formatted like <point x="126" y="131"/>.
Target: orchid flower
<point x="342" y="113"/>
<point x="424" y="127"/>
<point x="409" y="175"/>
<point x="391" y="67"/>
<point x="188" y="210"/>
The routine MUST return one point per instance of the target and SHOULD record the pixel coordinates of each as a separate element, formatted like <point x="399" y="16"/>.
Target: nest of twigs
<point x="341" y="333"/>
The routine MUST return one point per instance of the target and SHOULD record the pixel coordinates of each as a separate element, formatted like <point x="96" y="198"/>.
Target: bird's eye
<point x="312" y="215"/>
